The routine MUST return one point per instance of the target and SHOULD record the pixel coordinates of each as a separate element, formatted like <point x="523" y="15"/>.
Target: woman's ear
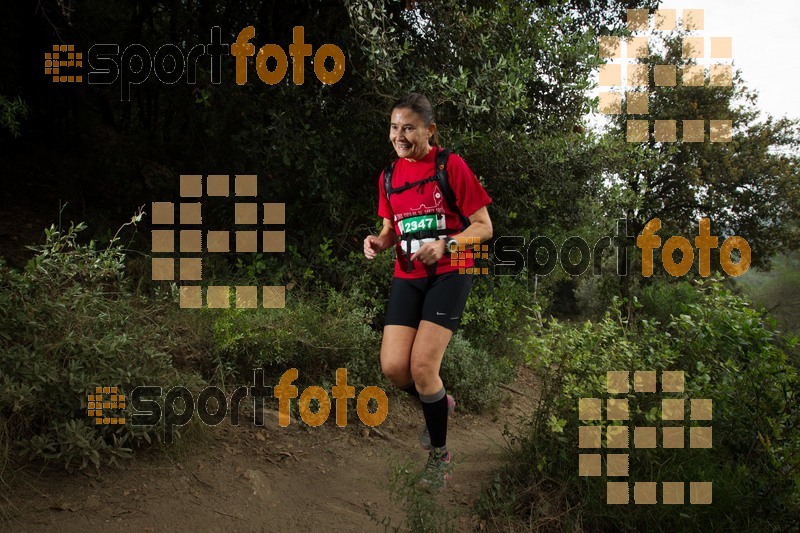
<point x="432" y="133"/>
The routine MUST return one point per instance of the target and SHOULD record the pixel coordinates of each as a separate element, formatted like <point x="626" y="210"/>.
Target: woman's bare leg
<point x="396" y="354"/>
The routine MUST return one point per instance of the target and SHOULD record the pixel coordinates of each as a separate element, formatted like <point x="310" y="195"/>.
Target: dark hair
<point x="419" y="104"/>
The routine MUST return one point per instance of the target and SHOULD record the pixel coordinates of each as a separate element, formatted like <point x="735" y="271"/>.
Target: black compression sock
<point x="410" y="389"/>
<point x="434" y="407"/>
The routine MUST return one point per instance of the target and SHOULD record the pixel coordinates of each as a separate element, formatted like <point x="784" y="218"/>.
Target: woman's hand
<point x="430" y="252"/>
<point x="372" y="246"/>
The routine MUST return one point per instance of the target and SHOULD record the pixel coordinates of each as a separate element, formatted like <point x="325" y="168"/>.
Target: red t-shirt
<point x="415" y="208"/>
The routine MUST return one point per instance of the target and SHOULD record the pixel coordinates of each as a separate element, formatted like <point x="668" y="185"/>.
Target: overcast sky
<point x="766" y="45"/>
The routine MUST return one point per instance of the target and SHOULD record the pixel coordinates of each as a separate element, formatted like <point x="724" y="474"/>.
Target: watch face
<point x="452" y="245"/>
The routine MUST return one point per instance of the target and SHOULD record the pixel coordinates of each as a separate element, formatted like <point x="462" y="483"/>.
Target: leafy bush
<point x="424" y="511"/>
<point x="662" y="301"/>
<point x="730" y="354"/>
<point x="472" y="374"/>
<point x="778" y="290"/>
<point x="12" y="113"/>
<point x="319" y="338"/>
<point x="314" y="338"/>
<point x="492" y="319"/>
<point x="68" y="324"/>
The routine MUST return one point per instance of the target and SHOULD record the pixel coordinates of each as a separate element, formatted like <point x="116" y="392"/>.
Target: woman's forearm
<point x="476" y="230"/>
<point x="387" y="237"/>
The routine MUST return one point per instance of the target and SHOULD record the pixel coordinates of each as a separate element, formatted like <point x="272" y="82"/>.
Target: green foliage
<point x="508" y="82"/>
<point x="472" y="374"/>
<point x="68" y="324"/>
<point x="12" y="113"/>
<point x="744" y="186"/>
<point x="319" y="338"/>
<point x="492" y="320"/>
<point x="424" y="511"/>
<point x="663" y="300"/>
<point x="777" y="290"/>
<point x="729" y="353"/>
<point x="315" y="337"/>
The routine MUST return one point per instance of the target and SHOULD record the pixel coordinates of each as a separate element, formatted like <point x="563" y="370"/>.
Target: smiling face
<point x="409" y="134"/>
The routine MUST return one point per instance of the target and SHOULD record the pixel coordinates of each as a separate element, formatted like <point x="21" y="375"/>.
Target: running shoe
<point x="437" y="470"/>
<point x="425" y="436"/>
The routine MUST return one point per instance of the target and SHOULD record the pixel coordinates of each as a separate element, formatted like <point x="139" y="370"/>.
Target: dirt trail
<point x="244" y="478"/>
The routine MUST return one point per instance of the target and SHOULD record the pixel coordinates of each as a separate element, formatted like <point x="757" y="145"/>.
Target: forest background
<point x="512" y="84"/>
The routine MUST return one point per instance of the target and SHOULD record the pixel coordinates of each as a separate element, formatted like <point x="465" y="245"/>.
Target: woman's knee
<point x="396" y="354"/>
<point x="397" y="372"/>
<point x="423" y="372"/>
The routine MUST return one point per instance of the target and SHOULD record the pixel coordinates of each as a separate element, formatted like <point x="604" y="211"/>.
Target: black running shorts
<point x="440" y="299"/>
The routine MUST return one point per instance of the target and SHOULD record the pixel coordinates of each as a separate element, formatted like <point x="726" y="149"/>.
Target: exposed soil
<point x="246" y="478"/>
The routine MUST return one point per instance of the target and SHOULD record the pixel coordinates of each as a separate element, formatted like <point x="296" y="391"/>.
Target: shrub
<point x="319" y="338"/>
<point x="662" y="301"/>
<point x="424" y="511"/>
<point x="730" y="354"/>
<point x="316" y="338"/>
<point x="68" y="323"/>
<point x="492" y="318"/>
<point x="473" y="374"/>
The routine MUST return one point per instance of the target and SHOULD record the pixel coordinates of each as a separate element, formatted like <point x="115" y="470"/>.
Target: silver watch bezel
<point x="452" y="245"/>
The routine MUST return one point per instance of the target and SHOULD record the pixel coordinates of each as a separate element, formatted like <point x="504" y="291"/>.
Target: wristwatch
<point x="452" y="245"/>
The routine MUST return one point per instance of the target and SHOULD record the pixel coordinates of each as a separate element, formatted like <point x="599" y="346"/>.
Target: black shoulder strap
<point x="444" y="185"/>
<point x="441" y="176"/>
<point x="387" y="179"/>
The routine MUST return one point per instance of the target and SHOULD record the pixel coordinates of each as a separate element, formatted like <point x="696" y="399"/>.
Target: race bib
<point x="421" y="222"/>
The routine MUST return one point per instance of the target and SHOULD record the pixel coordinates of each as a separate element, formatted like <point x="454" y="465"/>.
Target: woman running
<point x="430" y="202"/>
